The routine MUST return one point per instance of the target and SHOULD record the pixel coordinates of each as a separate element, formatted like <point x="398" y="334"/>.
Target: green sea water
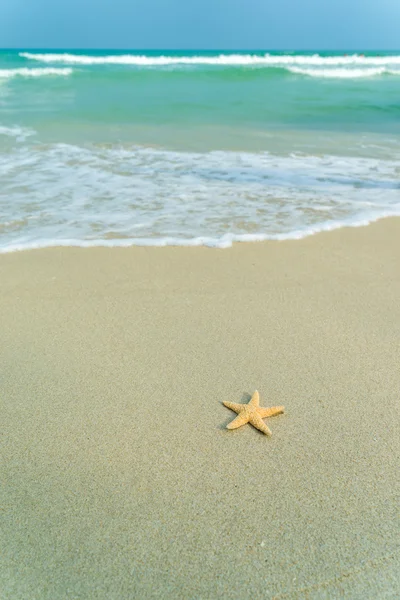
<point x="194" y="147"/>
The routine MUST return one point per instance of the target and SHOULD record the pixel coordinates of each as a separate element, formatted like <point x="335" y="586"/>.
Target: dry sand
<point x="119" y="478"/>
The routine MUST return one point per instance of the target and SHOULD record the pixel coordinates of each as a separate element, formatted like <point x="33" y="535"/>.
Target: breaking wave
<point x="221" y="59"/>
<point x="24" y="72"/>
<point x="349" y="73"/>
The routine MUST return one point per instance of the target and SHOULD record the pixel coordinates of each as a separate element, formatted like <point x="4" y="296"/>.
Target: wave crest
<point x="344" y="73"/>
<point x="221" y="59"/>
<point x="24" y="72"/>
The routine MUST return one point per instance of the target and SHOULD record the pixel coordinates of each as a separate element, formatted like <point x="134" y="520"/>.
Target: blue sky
<point x="200" y="24"/>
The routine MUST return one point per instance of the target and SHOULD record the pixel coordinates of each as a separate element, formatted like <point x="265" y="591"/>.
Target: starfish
<point x="253" y="413"/>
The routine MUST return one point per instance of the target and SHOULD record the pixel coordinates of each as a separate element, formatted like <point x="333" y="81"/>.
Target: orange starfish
<point x="253" y="413"/>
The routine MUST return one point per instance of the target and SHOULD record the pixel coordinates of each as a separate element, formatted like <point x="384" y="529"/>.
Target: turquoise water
<point x="194" y="147"/>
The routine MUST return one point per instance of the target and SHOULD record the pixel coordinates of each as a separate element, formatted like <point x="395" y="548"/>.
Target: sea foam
<point x="102" y="196"/>
<point x="346" y="73"/>
<point x="19" y="133"/>
<point x="221" y="59"/>
<point x="25" y="72"/>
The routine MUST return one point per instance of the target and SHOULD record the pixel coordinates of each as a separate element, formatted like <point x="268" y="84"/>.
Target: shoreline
<point x="121" y="479"/>
<point x="198" y="242"/>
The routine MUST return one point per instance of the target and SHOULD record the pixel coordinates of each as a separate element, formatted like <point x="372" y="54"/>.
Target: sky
<point x="201" y="24"/>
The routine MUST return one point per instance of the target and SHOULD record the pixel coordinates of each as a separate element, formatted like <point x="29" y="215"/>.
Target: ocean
<point x="194" y="148"/>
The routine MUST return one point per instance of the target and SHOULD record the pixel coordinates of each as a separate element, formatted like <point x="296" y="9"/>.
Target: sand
<point x="119" y="478"/>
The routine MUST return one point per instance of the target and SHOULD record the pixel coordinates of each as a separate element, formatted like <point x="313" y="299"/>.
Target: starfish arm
<point x="259" y="424"/>
<point x="270" y="412"/>
<point x="233" y="406"/>
<point x="255" y="399"/>
<point x="238" y="422"/>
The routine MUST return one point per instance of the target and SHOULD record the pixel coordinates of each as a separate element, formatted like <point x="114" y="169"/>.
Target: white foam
<point x="25" y="72"/>
<point x="221" y="59"/>
<point x="222" y="242"/>
<point x="19" y="133"/>
<point x="348" y="73"/>
<point x="99" y="196"/>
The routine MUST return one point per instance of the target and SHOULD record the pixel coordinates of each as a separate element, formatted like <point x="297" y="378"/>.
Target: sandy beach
<point x="120" y="479"/>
